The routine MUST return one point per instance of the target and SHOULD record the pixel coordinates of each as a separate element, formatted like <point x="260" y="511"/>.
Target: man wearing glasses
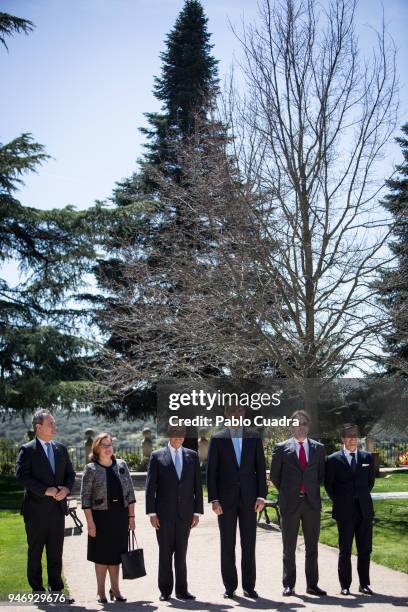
<point x="297" y="471"/>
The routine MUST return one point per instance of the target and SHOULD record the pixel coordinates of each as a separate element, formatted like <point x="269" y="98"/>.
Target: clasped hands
<point x="58" y="493"/>
<point x="217" y="508"/>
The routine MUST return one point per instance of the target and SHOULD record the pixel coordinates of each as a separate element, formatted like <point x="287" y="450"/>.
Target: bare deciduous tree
<point x="282" y="215"/>
<point x="309" y="132"/>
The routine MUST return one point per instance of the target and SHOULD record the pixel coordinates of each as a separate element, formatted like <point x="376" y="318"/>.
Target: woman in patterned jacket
<point x="108" y="501"/>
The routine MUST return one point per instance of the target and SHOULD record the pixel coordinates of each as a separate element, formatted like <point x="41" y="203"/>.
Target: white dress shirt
<point x="43" y="444"/>
<point x="347" y="454"/>
<point x="305" y="446"/>
<point x="173" y="454"/>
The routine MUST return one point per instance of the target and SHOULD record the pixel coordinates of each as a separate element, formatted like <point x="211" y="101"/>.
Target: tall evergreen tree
<point x="394" y="284"/>
<point x="41" y="360"/>
<point x="159" y="235"/>
<point x="187" y="87"/>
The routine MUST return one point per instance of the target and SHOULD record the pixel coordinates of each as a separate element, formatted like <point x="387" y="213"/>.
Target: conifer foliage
<point x="41" y="360"/>
<point x="394" y="285"/>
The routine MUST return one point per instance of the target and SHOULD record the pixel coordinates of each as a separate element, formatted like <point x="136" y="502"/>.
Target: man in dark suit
<point x="350" y="476"/>
<point x="174" y="501"/>
<point x="297" y="471"/>
<point x="236" y="482"/>
<point x="45" y="470"/>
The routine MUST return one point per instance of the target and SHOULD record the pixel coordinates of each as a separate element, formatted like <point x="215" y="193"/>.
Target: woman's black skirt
<point x="111" y="535"/>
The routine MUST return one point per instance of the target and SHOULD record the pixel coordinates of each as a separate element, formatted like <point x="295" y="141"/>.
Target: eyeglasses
<point x="106" y="445"/>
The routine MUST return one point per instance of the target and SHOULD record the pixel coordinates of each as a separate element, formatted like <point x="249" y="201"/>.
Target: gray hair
<point x="38" y="418"/>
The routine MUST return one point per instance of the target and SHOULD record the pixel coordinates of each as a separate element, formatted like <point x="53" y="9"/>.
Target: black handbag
<point x="133" y="561"/>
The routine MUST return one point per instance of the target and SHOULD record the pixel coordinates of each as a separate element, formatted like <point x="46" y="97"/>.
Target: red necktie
<point x="303" y="464"/>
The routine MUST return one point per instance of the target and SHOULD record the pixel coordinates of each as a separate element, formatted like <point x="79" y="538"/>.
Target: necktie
<point x="353" y="462"/>
<point x="177" y="463"/>
<point x="237" y="449"/>
<point x="303" y="464"/>
<point x="50" y="455"/>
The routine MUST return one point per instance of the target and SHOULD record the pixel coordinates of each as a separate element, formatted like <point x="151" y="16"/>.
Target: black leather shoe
<point x="229" y="594"/>
<point x="185" y="595"/>
<point x="315" y="591"/>
<point x="101" y="600"/>
<point x="164" y="597"/>
<point x="365" y="590"/>
<point x="288" y="591"/>
<point x="345" y="592"/>
<point x="251" y="594"/>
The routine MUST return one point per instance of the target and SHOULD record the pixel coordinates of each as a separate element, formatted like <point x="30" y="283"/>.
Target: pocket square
<point x="365" y="465"/>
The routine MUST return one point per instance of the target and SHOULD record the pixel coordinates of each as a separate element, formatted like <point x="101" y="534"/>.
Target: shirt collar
<point x="305" y="442"/>
<point x="348" y="453"/>
<point x="43" y="443"/>
<point x="172" y="449"/>
<point x="236" y="432"/>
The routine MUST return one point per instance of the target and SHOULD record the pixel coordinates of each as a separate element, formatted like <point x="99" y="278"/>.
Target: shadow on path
<point x="355" y="600"/>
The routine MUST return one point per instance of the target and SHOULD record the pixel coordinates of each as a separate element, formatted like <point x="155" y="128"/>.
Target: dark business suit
<point x="353" y="511"/>
<point x="237" y="488"/>
<point x="287" y="476"/>
<point x="44" y="517"/>
<point x="175" y="502"/>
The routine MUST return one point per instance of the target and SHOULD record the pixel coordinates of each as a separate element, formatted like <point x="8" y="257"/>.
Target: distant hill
<point x="71" y="429"/>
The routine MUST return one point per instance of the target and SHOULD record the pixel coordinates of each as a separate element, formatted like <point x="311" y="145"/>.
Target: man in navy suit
<point x="236" y="480"/>
<point x="350" y="476"/>
<point x="45" y="470"/>
<point x="174" y="501"/>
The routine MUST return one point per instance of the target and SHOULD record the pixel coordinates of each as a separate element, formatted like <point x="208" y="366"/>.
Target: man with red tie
<point x="297" y="471"/>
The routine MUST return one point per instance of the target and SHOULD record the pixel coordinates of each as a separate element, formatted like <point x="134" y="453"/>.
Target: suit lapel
<point x="185" y="462"/>
<point x="312" y="450"/>
<point x="359" y="460"/>
<point x="169" y="461"/>
<point x="230" y="445"/>
<point x="57" y="457"/>
<point x="42" y="454"/>
<point x="343" y="458"/>
<point x="244" y="447"/>
<point x="293" y="453"/>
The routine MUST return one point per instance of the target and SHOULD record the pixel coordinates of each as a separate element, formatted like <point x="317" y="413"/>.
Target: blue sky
<point x="82" y="80"/>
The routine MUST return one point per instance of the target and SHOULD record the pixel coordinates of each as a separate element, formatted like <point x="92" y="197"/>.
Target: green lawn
<point x="13" y="555"/>
<point x="13" y="543"/>
<point x="393" y="481"/>
<point x="390" y="536"/>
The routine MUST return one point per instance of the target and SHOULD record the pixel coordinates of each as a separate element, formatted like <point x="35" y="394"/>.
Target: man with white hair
<point x="45" y="470"/>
